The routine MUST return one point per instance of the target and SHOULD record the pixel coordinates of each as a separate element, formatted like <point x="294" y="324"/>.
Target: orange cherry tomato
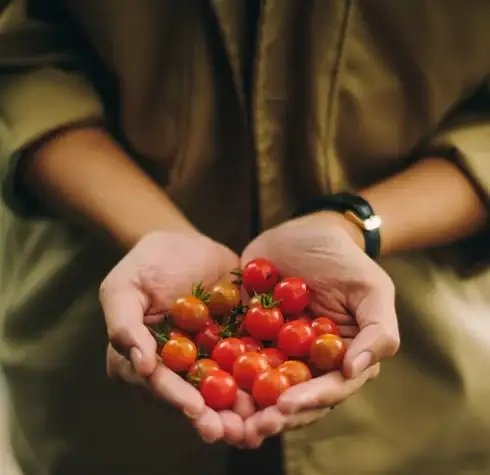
<point x="268" y="386"/>
<point x="275" y="356"/>
<point x="179" y="354"/>
<point x="247" y="367"/>
<point x="296" y="371"/>
<point x="223" y="298"/>
<point x="200" y="369"/>
<point x="327" y="352"/>
<point x="323" y="325"/>
<point x="190" y="313"/>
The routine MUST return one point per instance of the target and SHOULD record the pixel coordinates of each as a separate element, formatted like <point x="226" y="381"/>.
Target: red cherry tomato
<point x="296" y="371"/>
<point x="263" y="323"/>
<point x="295" y="338"/>
<point x="327" y="352"/>
<point x="323" y="325"/>
<point x="179" y="354"/>
<point x="259" y="276"/>
<point x="208" y="337"/>
<point x="303" y="317"/>
<point x="223" y="298"/>
<point x="275" y="356"/>
<point x="268" y="387"/>
<point x="251" y="344"/>
<point x="219" y="390"/>
<point x="247" y="367"/>
<point x="292" y="294"/>
<point x="190" y="313"/>
<point x="200" y="369"/>
<point x="227" y="351"/>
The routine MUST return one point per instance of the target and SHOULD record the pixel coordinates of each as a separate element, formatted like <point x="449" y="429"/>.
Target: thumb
<point x="378" y="336"/>
<point x="124" y="307"/>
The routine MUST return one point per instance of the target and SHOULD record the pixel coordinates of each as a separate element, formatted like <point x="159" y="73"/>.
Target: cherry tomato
<point x="223" y="298"/>
<point x="259" y="276"/>
<point x="179" y="354"/>
<point x="219" y="390"/>
<point x="251" y="344"/>
<point x="296" y="371"/>
<point x="190" y="313"/>
<point x="327" y="352"/>
<point x="295" y="338"/>
<point x="303" y="317"/>
<point x="247" y="367"/>
<point x="268" y="387"/>
<point x="263" y="323"/>
<point x="207" y="338"/>
<point x="175" y="332"/>
<point x="200" y="369"/>
<point x="275" y="356"/>
<point x="323" y="325"/>
<point x="292" y="294"/>
<point x="227" y="351"/>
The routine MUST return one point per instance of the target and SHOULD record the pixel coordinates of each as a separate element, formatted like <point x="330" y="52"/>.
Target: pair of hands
<point x="345" y="284"/>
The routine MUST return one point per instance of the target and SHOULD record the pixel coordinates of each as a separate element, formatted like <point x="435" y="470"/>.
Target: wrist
<point x="334" y="218"/>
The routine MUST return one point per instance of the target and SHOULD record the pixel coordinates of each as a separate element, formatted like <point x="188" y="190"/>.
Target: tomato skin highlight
<point x="323" y="325"/>
<point x="295" y="338"/>
<point x="251" y="344"/>
<point x="263" y="323"/>
<point x="179" y="354"/>
<point x="259" y="276"/>
<point x="248" y="367"/>
<point x="296" y="371"/>
<point x="207" y="338"/>
<point x="190" y="313"/>
<point x="219" y="390"/>
<point x="292" y="294"/>
<point x="223" y="298"/>
<point x="200" y="369"/>
<point x="327" y="352"/>
<point x="227" y="351"/>
<point x="275" y="356"/>
<point x="268" y="386"/>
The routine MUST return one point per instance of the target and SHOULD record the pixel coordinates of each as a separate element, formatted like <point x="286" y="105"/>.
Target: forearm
<point x="84" y="173"/>
<point x="430" y="204"/>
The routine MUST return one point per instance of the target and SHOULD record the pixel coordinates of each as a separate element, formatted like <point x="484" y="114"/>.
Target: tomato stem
<point x="199" y="292"/>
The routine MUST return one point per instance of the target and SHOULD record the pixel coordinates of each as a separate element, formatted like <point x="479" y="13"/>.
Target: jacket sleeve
<point x="41" y="90"/>
<point x="465" y="138"/>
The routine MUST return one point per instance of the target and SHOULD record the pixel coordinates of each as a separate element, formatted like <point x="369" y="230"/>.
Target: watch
<point x="357" y="210"/>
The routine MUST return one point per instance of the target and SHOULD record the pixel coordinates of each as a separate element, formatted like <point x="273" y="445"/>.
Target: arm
<point x="430" y="204"/>
<point x="83" y="172"/>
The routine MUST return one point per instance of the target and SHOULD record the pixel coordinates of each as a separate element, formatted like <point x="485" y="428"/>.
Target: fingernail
<point x="136" y="356"/>
<point x="361" y="363"/>
<point x="208" y="439"/>
<point x="189" y="414"/>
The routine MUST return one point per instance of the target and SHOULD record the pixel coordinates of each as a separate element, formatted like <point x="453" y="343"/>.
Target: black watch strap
<point x="357" y="210"/>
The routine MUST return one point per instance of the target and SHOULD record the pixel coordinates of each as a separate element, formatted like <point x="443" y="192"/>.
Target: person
<point x="146" y="145"/>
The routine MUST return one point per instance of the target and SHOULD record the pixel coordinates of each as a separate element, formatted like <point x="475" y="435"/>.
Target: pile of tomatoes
<point x="272" y="343"/>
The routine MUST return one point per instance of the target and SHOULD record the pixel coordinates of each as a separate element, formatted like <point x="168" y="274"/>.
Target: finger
<point x="244" y="405"/>
<point x="124" y="308"/>
<point x="324" y="391"/>
<point x="233" y="427"/>
<point x="378" y="337"/>
<point x="348" y="331"/>
<point x="209" y="426"/>
<point x="169" y="386"/>
<point x="322" y="306"/>
<point x="252" y="438"/>
<point x="270" y="421"/>
<point x="305" y="418"/>
<point x="118" y="367"/>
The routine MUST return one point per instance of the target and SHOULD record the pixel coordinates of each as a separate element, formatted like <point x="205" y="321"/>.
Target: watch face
<point x="372" y="223"/>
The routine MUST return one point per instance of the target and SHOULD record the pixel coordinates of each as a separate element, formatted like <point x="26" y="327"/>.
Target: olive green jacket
<point x="343" y="93"/>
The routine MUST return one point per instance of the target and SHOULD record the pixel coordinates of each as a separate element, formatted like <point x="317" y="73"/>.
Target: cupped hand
<point x="347" y="286"/>
<point x="143" y="285"/>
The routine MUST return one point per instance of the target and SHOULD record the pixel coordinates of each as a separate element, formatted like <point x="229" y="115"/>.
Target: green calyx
<point x="199" y="292"/>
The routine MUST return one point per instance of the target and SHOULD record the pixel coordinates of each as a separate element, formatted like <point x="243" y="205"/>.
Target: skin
<point x="83" y="174"/>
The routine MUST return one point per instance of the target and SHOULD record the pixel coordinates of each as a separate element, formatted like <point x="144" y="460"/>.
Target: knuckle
<point x="391" y="342"/>
<point x="118" y="336"/>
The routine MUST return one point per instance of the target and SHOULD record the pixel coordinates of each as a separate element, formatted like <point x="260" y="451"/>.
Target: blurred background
<point x="7" y="464"/>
